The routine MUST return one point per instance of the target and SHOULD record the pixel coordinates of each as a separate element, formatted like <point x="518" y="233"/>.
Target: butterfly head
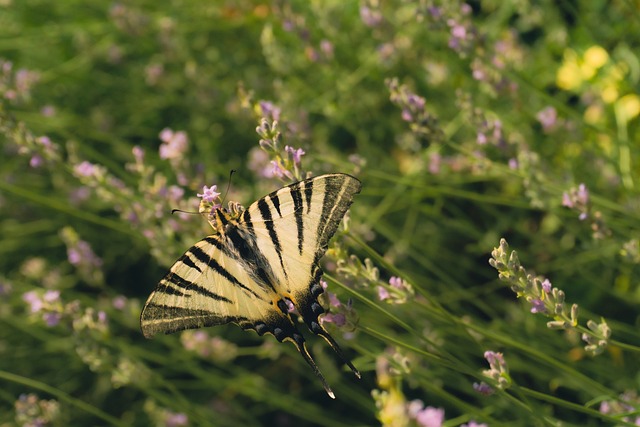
<point x="219" y="216"/>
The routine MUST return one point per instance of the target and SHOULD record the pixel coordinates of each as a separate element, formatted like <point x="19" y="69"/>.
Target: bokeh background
<point x="466" y="123"/>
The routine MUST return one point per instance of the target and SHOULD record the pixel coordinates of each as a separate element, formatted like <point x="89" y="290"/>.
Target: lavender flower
<point x="213" y="348"/>
<point x="279" y="170"/>
<point x="483" y="388"/>
<point x="545" y="299"/>
<point x="430" y="417"/>
<point x="177" y="420"/>
<point x="36" y="161"/>
<point x="33" y="299"/>
<point x="174" y="144"/>
<point x="548" y="118"/>
<point x="85" y="169"/>
<point x="370" y="17"/>
<point x="498" y="370"/>
<point x="577" y="199"/>
<point x="209" y="194"/>
<point x="414" y="110"/>
<point x="81" y="256"/>
<point x="270" y="111"/>
<point x="47" y="305"/>
<point x="30" y="411"/>
<point x="383" y="293"/>
<point x="296" y="154"/>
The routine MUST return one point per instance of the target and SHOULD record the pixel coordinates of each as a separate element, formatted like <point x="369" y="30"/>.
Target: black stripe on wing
<point x="187" y="285"/>
<point x="296" y="196"/>
<point x="204" y="258"/>
<point x="265" y="212"/>
<point x="169" y="319"/>
<point x="338" y="196"/>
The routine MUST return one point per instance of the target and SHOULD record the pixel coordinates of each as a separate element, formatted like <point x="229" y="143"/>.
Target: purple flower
<point x="458" y="31"/>
<point x="177" y="420"/>
<point x="537" y="306"/>
<point x="430" y="417"/>
<point x="51" y="296"/>
<point x="483" y="388"/>
<point x="481" y="138"/>
<point x="209" y="194"/>
<point x="45" y="141"/>
<point x="566" y="200"/>
<point x="583" y="194"/>
<point x="338" y="319"/>
<point x="397" y="282"/>
<point x="138" y="153"/>
<point x="119" y="302"/>
<point x="85" y="169"/>
<point x="48" y="111"/>
<point x="493" y="357"/>
<point x="415" y="101"/>
<point x="435" y="160"/>
<point x="435" y="12"/>
<point x="326" y="47"/>
<point x="370" y="17"/>
<point x="102" y="316"/>
<point x="279" y="171"/>
<point x="175" y="193"/>
<point x="513" y="164"/>
<point x="36" y="161"/>
<point x="290" y="307"/>
<point x="546" y="286"/>
<point x="33" y="300"/>
<point x="547" y="118"/>
<point x="333" y="300"/>
<point x="270" y="110"/>
<point x="52" y="319"/>
<point x="296" y="154"/>
<point x="174" y="144"/>
<point x="74" y="256"/>
<point x="383" y="293"/>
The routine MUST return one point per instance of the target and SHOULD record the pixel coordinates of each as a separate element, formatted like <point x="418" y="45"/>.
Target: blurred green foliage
<point x="465" y="122"/>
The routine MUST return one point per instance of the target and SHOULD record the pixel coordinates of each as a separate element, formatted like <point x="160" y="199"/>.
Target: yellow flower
<point x="569" y="75"/>
<point x="609" y="93"/>
<point x="628" y="107"/>
<point x="593" y="114"/>
<point x="596" y="57"/>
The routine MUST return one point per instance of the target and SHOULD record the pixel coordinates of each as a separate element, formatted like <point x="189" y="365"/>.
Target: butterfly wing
<point x="292" y="227"/>
<point x="203" y="288"/>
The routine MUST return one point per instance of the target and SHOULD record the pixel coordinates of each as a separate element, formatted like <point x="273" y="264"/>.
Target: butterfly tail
<point x="321" y="331"/>
<point x="298" y="341"/>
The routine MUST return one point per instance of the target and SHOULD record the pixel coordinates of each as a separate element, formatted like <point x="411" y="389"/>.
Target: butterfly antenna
<point x="228" y="185"/>
<point x="298" y="340"/>
<point x="186" y="212"/>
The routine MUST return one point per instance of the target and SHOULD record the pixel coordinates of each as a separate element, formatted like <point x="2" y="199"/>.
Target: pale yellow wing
<point x="292" y="227"/>
<point x="205" y="287"/>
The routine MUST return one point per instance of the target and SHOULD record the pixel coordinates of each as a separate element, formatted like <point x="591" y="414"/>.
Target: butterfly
<point x="258" y="262"/>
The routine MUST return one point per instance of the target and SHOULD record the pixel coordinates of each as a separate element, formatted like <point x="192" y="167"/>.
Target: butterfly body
<point x="257" y="260"/>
